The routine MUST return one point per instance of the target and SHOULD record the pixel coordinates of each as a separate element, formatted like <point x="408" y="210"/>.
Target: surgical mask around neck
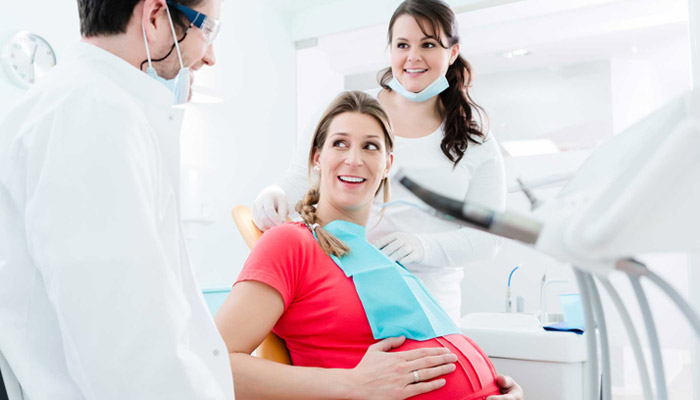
<point x="180" y="84"/>
<point x="434" y="89"/>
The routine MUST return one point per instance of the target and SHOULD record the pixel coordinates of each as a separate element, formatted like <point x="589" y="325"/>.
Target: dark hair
<point x="110" y="17"/>
<point x="355" y="102"/>
<point x="463" y="117"/>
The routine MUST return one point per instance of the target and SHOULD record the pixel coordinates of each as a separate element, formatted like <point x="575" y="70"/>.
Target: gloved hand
<point x="509" y="389"/>
<point x="270" y="208"/>
<point x="403" y="247"/>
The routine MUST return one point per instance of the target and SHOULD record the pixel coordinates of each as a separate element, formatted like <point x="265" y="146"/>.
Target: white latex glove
<point x="403" y="247"/>
<point x="270" y="208"/>
<point x="509" y="389"/>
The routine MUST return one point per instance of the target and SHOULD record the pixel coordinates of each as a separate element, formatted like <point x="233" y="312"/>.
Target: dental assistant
<point x="97" y="296"/>
<point x="441" y="139"/>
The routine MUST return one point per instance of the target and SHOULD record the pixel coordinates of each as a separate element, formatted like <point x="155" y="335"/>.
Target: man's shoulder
<point x="70" y="110"/>
<point x="82" y="98"/>
<point x="92" y="88"/>
<point x="79" y="91"/>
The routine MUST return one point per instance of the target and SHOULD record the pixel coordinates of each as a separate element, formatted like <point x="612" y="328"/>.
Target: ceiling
<point x="290" y="7"/>
<point x="553" y="31"/>
<point x="314" y="18"/>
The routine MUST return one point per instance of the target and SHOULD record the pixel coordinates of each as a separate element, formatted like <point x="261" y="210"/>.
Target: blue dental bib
<point x="395" y="302"/>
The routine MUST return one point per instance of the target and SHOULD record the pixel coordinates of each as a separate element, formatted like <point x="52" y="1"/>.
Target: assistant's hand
<point x="390" y="376"/>
<point x="270" y="208"/>
<point x="403" y="247"/>
<point x="509" y="389"/>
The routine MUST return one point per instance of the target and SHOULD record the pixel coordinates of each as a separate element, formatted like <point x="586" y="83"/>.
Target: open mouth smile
<point x="351" y="179"/>
<point x="415" y="71"/>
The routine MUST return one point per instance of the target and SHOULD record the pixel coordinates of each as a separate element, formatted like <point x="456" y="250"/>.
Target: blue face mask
<point x="395" y="301"/>
<point x="428" y="93"/>
<point x="180" y="84"/>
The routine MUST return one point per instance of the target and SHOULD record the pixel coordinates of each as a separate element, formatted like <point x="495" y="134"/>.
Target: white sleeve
<point x="465" y="245"/>
<point x="95" y="227"/>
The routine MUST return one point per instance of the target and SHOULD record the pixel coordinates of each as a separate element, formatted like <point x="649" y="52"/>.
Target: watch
<point x="26" y="57"/>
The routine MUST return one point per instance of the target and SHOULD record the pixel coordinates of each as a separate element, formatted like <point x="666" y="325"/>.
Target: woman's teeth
<point x="415" y="71"/>
<point x="351" y="179"/>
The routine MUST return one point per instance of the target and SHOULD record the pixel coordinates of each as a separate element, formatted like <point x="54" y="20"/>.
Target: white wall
<point x="644" y="81"/>
<point x="316" y="84"/>
<point x="57" y="23"/>
<point x="569" y="104"/>
<point x="246" y="139"/>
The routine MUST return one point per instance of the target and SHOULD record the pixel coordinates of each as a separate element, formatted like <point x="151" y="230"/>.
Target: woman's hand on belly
<point x="384" y="375"/>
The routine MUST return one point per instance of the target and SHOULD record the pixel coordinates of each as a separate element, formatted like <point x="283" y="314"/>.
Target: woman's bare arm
<point x="247" y="316"/>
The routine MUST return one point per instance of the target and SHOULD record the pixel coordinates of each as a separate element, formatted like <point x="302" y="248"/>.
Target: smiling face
<point x="353" y="161"/>
<point x="417" y="57"/>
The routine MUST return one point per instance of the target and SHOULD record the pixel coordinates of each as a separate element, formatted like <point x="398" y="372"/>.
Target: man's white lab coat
<point x="97" y="298"/>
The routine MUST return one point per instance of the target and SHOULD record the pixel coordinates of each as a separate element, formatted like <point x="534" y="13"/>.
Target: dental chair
<point x="272" y="348"/>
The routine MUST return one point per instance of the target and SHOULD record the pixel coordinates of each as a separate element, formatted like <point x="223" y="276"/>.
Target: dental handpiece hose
<point x="505" y="224"/>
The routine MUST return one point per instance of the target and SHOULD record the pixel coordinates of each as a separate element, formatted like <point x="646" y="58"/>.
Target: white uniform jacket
<point x="97" y="298"/>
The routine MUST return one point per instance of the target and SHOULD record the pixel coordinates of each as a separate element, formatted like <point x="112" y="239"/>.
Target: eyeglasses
<point x="209" y="26"/>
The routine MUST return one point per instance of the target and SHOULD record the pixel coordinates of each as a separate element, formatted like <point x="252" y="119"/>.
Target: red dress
<point x="324" y="324"/>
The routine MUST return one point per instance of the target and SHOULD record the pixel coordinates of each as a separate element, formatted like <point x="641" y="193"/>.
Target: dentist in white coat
<point x="97" y="298"/>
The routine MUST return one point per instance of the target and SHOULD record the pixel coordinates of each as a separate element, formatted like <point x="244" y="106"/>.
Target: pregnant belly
<point x="475" y="376"/>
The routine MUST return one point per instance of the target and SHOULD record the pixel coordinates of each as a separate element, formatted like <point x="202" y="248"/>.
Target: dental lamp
<point x="637" y="193"/>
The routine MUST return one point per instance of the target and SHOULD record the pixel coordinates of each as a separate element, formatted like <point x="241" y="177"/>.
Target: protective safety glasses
<point x="209" y="26"/>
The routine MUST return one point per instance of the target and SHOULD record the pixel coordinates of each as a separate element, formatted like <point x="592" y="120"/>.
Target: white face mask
<point x="180" y="85"/>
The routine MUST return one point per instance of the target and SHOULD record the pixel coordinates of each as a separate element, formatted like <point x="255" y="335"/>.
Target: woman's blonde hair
<point x="355" y="102"/>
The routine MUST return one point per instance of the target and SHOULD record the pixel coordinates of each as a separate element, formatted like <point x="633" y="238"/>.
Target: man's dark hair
<point x="110" y="17"/>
